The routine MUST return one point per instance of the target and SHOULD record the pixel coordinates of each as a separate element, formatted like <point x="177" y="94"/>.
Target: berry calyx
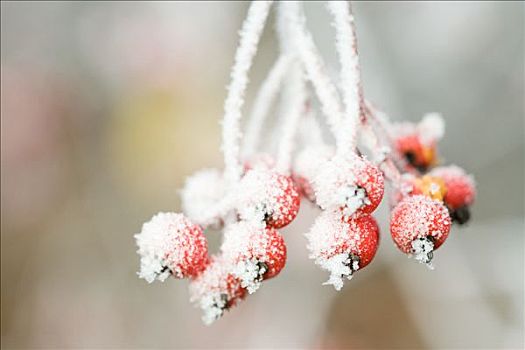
<point x="256" y="253"/>
<point x="268" y="198"/>
<point x="342" y="246"/>
<point x="170" y="244"/>
<point x="419" y="225"/>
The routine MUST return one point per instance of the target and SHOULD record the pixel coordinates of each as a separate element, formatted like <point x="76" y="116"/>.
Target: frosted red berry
<point x="269" y="197"/>
<point x="371" y="179"/>
<point x="216" y="289"/>
<point x="417" y="154"/>
<point x="342" y="246"/>
<point x="461" y="190"/>
<point x="170" y="244"/>
<point x="419" y="217"/>
<point x="353" y="185"/>
<point x="257" y="253"/>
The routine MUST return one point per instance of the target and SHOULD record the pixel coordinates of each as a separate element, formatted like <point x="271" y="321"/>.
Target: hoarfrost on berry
<point x="171" y="244"/>
<point x="267" y="198"/>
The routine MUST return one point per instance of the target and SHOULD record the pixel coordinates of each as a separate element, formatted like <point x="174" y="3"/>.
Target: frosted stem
<point x="311" y="131"/>
<point x="231" y="131"/>
<point x="263" y="102"/>
<point x="374" y="117"/>
<point x="346" y="45"/>
<point x="294" y="93"/>
<point x="316" y="72"/>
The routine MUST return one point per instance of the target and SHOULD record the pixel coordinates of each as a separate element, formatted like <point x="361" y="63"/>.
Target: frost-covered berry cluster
<point x="258" y="193"/>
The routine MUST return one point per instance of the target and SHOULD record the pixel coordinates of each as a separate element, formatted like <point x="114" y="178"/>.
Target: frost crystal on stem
<point x="231" y="133"/>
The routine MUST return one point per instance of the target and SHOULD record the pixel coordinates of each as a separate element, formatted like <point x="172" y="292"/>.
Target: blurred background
<point x="107" y="106"/>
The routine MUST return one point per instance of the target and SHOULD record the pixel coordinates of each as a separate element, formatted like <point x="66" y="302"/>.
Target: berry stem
<point x="263" y="102"/>
<point x="294" y="92"/>
<point x="250" y="35"/>
<point x="316" y="73"/>
<point x="346" y="45"/>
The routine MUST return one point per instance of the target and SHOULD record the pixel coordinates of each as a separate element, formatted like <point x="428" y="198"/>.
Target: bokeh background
<point x="107" y="106"/>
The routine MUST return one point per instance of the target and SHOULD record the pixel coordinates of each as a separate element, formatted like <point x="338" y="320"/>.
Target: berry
<point x="268" y="197"/>
<point x="461" y="190"/>
<point x="201" y="192"/>
<point x="420" y="225"/>
<point x="352" y="185"/>
<point x="306" y="166"/>
<point x="216" y="289"/>
<point x="171" y="244"/>
<point x="417" y="142"/>
<point x="342" y="246"/>
<point x="417" y="154"/>
<point x="430" y="186"/>
<point x="257" y="253"/>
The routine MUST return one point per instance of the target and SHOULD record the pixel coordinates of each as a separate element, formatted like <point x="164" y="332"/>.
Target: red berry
<point x="460" y="187"/>
<point x="417" y="142"/>
<point x="269" y="197"/>
<point x="304" y="186"/>
<point x="417" y="154"/>
<point x="216" y="289"/>
<point x="307" y="164"/>
<point x="352" y="185"/>
<point x="171" y="244"/>
<point x="419" y="218"/>
<point x="342" y="246"/>
<point x="256" y="253"/>
<point x="371" y="179"/>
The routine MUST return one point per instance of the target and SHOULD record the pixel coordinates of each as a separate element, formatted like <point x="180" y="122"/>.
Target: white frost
<point x="340" y="266"/>
<point x="250" y="274"/>
<point x="351" y="198"/>
<point x="422" y="249"/>
<point x="213" y="306"/>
